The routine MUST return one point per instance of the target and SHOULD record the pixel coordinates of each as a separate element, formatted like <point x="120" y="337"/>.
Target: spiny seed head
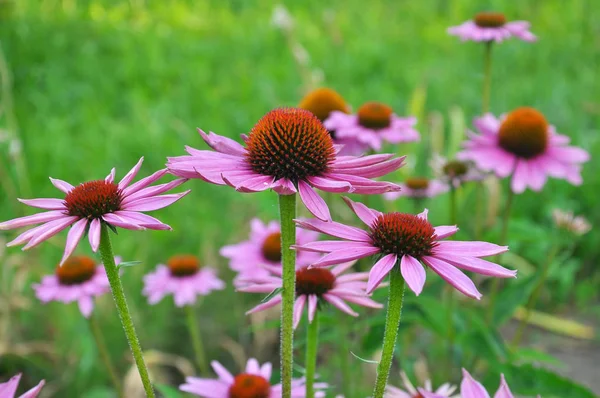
<point x="93" y="199"/>
<point x="290" y="143"/>
<point x="249" y="386"/>
<point x="183" y="265"/>
<point x="455" y="168"/>
<point x="271" y="248"/>
<point x="401" y="233"/>
<point x="322" y="101"/>
<point x="489" y="19"/>
<point x="314" y="281"/>
<point x="524" y="133"/>
<point x="375" y="115"/>
<point x="76" y="270"/>
<point x="417" y="183"/>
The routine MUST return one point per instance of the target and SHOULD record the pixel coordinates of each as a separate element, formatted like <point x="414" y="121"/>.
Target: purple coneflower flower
<point x="252" y="383"/>
<point x="264" y="248"/>
<point x="9" y="389"/>
<point x="288" y="150"/>
<point x="184" y="278"/>
<point x="88" y="205"/>
<point x="314" y="287"/>
<point x="373" y="124"/>
<point x="455" y="172"/>
<point x="405" y="241"/>
<point x="471" y="388"/>
<point x="492" y="26"/>
<point x="79" y="279"/>
<point x="444" y="391"/>
<point x="418" y="187"/>
<point x="524" y="145"/>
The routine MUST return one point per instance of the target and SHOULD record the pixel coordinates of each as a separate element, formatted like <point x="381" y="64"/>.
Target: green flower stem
<point x="192" y="324"/>
<point x="287" y="213"/>
<point x="534" y="296"/>
<point x="97" y="333"/>
<point x="112" y="272"/>
<point x="487" y="77"/>
<point x="392" y="322"/>
<point x="344" y="349"/>
<point x="312" y="342"/>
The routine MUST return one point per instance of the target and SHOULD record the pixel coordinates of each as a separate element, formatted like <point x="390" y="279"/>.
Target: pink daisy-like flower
<point x="373" y="124"/>
<point x="492" y="26"/>
<point x="264" y="248"/>
<point x="524" y="145"/>
<point x="184" y="278"/>
<point x="288" y="150"/>
<point x="471" y="388"/>
<point x="405" y="241"/>
<point x="455" y="172"/>
<point x="314" y="286"/>
<point x="79" y="279"/>
<point x="252" y="383"/>
<point x="9" y="389"/>
<point x="444" y="391"/>
<point x="88" y="205"/>
<point x="418" y="187"/>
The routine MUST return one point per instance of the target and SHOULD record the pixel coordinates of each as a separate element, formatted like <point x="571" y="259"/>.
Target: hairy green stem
<point x="287" y="213"/>
<point x="102" y="350"/>
<point x="192" y="324"/>
<point x="392" y="322"/>
<point x="487" y="77"/>
<point x="112" y="272"/>
<point x="312" y="342"/>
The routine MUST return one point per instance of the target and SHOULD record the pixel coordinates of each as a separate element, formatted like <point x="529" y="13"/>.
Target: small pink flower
<point x="417" y="187"/>
<point x="264" y="248"/>
<point x="492" y="26"/>
<point x="77" y="279"/>
<point x="90" y="204"/>
<point x="471" y="388"/>
<point x="405" y="241"/>
<point x="290" y="151"/>
<point x="373" y="124"/>
<point x="314" y="287"/>
<point x="253" y="382"/>
<point x="444" y="391"/>
<point x="9" y="389"/>
<point x="523" y="145"/>
<point x="184" y="278"/>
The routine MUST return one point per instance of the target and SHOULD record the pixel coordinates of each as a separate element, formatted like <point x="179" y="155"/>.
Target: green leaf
<point x="530" y="355"/>
<point x="168" y="391"/>
<point x="271" y="295"/>
<point x="128" y="264"/>
<point x="512" y="296"/>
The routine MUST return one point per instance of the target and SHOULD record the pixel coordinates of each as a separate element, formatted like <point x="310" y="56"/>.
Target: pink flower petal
<point x="366" y="215"/>
<point x="342" y="256"/>
<point x="471" y="249"/>
<point x="73" y="238"/>
<point x="61" y="185"/>
<point x="50" y="230"/>
<point x="94" y="234"/>
<point x="86" y="305"/>
<point x="111" y="177"/>
<point x="453" y="276"/>
<point x="117" y="221"/>
<point x="335" y="229"/>
<point x="413" y="273"/>
<point x="155" y="202"/>
<point x="503" y="390"/>
<point x="45" y="203"/>
<point x="445" y="231"/>
<point x="380" y="270"/>
<point x="257" y="183"/>
<point x="327" y="246"/>
<point x="223" y="144"/>
<point x="131" y="175"/>
<point x="144" y="182"/>
<point x="283" y="186"/>
<point x="9" y="388"/>
<point x="222" y="372"/>
<point x="142" y="219"/>
<point x="34" y="392"/>
<point x="520" y="177"/>
<point x="339" y="304"/>
<point x="474" y="264"/>
<point x="153" y="191"/>
<point x="471" y="388"/>
<point x="263" y="306"/>
<point x="314" y="203"/>
<point x="327" y="185"/>
<point x="312" y="307"/>
<point x="298" y="308"/>
<point x="46" y="216"/>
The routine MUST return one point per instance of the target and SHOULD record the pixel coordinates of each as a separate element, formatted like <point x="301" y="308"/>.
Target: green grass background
<point x="98" y="84"/>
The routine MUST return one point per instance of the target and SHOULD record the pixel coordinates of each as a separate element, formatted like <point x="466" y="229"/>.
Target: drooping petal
<point x="73" y="238"/>
<point x="453" y="276"/>
<point x="263" y="306"/>
<point x="223" y="144"/>
<point x="471" y="388"/>
<point x="314" y="203"/>
<point x="52" y="228"/>
<point x="339" y="304"/>
<point x="413" y="273"/>
<point x="86" y="305"/>
<point x="366" y="215"/>
<point x="328" y="185"/>
<point x="45" y="203"/>
<point x="33" y="219"/>
<point x="283" y="186"/>
<point x="155" y="202"/>
<point x="142" y="219"/>
<point x="298" y="308"/>
<point x="117" y="221"/>
<point x="473" y="248"/>
<point x="312" y="306"/>
<point x="327" y="246"/>
<point x="131" y="175"/>
<point x="94" y="234"/>
<point x="61" y="185"/>
<point x="380" y="270"/>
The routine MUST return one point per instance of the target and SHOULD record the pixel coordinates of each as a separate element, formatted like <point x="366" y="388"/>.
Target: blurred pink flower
<point x="455" y="172"/>
<point x="444" y="391"/>
<point x="77" y="279"/>
<point x="404" y="241"/>
<point x="314" y="286"/>
<point x="263" y="248"/>
<point x="184" y="278"/>
<point x="492" y="26"/>
<point x="288" y="150"/>
<point x="373" y="124"/>
<point x="253" y="382"/>
<point x="523" y="145"/>
<point x="417" y="187"/>
<point x="471" y="388"/>
<point x="9" y="389"/>
<point x="88" y="205"/>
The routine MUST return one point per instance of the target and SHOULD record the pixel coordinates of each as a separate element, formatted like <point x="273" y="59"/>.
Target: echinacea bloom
<point x="523" y="145"/>
<point x="418" y="187"/>
<point x="492" y="26"/>
<point x="314" y="287"/>
<point x="88" y="205"/>
<point x="444" y="391"/>
<point x="252" y="383"/>
<point x="404" y="241"/>
<point x="79" y="279"/>
<point x="184" y="278"/>
<point x="321" y="102"/>
<point x="264" y="248"/>
<point x="578" y="225"/>
<point x="373" y="124"/>
<point x="455" y="172"/>
<point x="471" y="388"/>
<point x="9" y="389"/>
<point x="288" y="150"/>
